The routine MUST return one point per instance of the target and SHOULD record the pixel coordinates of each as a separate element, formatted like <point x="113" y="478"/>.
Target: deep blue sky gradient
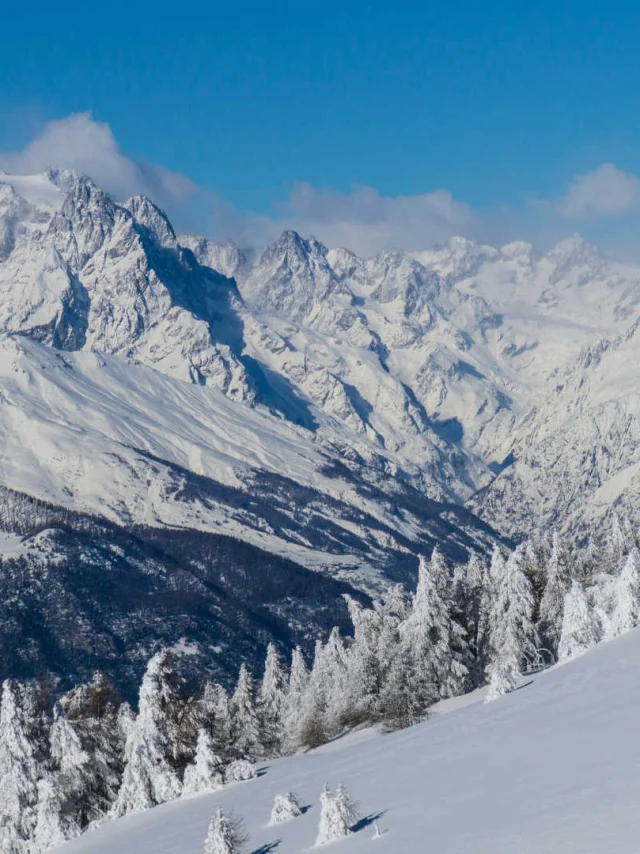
<point x="495" y="101"/>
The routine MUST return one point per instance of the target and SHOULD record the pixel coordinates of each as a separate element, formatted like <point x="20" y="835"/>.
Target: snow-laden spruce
<point x="581" y="628"/>
<point x="285" y="807"/>
<point x="226" y="835"/>
<point x="149" y="777"/>
<point x="206" y="772"/>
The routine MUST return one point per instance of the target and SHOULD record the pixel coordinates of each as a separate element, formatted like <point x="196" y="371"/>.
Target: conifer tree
<point x="333" y="824"/>
<point x="54" y="821"/>
<point x="626" y="611"/>
<point x="206" y="771"/>
<point x="513" y="635"/>
<point x="293" y="712"/>
<point x="19" y="768"/>
<point x="149" y="777"/>
<point x="245" y="722"/>
<point x="272" y="702"/>
<point x="226" y="835"/>
<point x="580" y="624"/>
<point x="285" y="807"/>
<point x="558" y="583"/>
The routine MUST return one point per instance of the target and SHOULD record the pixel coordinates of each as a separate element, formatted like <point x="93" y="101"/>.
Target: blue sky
<point x="279" y="113"/>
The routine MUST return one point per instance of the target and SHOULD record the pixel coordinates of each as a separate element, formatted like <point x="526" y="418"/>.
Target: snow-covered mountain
<point x="545" y="768"/>
<point x="394" y="389"/>
<point x="521" y="360"/>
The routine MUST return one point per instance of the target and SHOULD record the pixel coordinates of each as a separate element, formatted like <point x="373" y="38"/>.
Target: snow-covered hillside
<point x="549" y="767"/>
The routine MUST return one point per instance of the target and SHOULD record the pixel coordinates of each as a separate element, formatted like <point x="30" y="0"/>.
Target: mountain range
<point x="339" y="413"/>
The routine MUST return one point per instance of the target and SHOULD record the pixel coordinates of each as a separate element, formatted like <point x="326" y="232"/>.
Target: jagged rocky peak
<point x="153" y="220"/>
<point x="225" y="258"/>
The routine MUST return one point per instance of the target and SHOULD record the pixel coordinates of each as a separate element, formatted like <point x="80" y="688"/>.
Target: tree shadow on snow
<point x="265" y="849"/>
<point x="367" y="821"/>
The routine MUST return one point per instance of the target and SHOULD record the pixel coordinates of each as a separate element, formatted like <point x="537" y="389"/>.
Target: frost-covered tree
<point x="435" y="641"/>
<point x="54" y="821"/>
<point x="626" y="610"/>
<point x="513" y="635"/>
<point x="272" y="702"/>
<point x="558" y="582"/>
<point x="149" y="776"/>
<point x="333" y="823"/>
<point x="324" y="699"/>
<point x="226" y="835"/>
<point x="239" y="771"/>
<point x="472" y="595"/>
<point x="206" y="772"/>
<point x="298" y="684"/>
<point x="215" y="717"/>
<point x="285" y="807"/>
<point x="19" y="769"/>
<point x="581" y="627"/>
<point x="346" y="806"/>
<point x="244" y="716"/>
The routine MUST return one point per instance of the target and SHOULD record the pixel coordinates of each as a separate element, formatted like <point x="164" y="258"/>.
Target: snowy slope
<point x="550" y="768"/>
<point x="96" y="434"/>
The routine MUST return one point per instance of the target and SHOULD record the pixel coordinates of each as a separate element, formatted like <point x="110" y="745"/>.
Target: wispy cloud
<point x="78" y="142"/>
<point x="605" y="192"/>
<point x="361" y="219"/>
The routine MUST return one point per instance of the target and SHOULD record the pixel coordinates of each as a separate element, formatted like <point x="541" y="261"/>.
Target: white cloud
<point x="361" y="220"/>
<point x="78" y="142"/>
<point x="605" y="192"/>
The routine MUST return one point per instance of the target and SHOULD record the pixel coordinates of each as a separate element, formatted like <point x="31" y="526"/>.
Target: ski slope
<point x="551" y="769"/>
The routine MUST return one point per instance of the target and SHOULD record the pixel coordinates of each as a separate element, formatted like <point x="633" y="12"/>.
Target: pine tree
<point x="626" y="611"/>
<point x="513" y="635"/>
<point x="215" y="717"/>
<point x="472" y="595"/>
<point x="239" y="771"/>
<point x="149" y="777"/>
<point x="226" y="835"/>
<point x="272" y="702"/>
<point x="298" y="684"/>
<point x="54" y="823"/>
<point x="436" y="643"/>
<point x="245" y="721"/>
<point x="285" y="807"/>
<point x="206" y="772"/>
<point x="580" y="625"/>
<point x="346" y="806"/>
<point x="19" y="768"/>
<point x="558" y="583"/>
<point x="333" y="824"/>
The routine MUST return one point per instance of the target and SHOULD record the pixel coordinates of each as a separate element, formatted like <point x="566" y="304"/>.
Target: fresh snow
<point x="548" y="768"/>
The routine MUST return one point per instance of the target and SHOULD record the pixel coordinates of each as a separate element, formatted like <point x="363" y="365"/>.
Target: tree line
<point x="73" y="761"/>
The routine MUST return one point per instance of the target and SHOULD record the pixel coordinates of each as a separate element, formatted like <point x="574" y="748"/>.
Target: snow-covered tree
<point x="298" y="684"/>
<point x="215" y="717"/>
<point x="206" y="773"/>
<point x="558" y="583"/>
<point x="346" y="806"/>
<point x="285" y="807"/>
<point x="19" y="769"/>
<point x="581" y="627"/>
<point x="239" y="771"/>
<point x="149" y="777"/>
<point x="472" y="595"/>
<point x="272" y="701"/>
<point x="333" y="823"/>
<point x="226" y="835"/>
<point x="245" y="720"/>
<point x="626" y="610"/>
<point x="54" y="821"/>
<point x="512" y="633"/>
<point x="436" y="642"/>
